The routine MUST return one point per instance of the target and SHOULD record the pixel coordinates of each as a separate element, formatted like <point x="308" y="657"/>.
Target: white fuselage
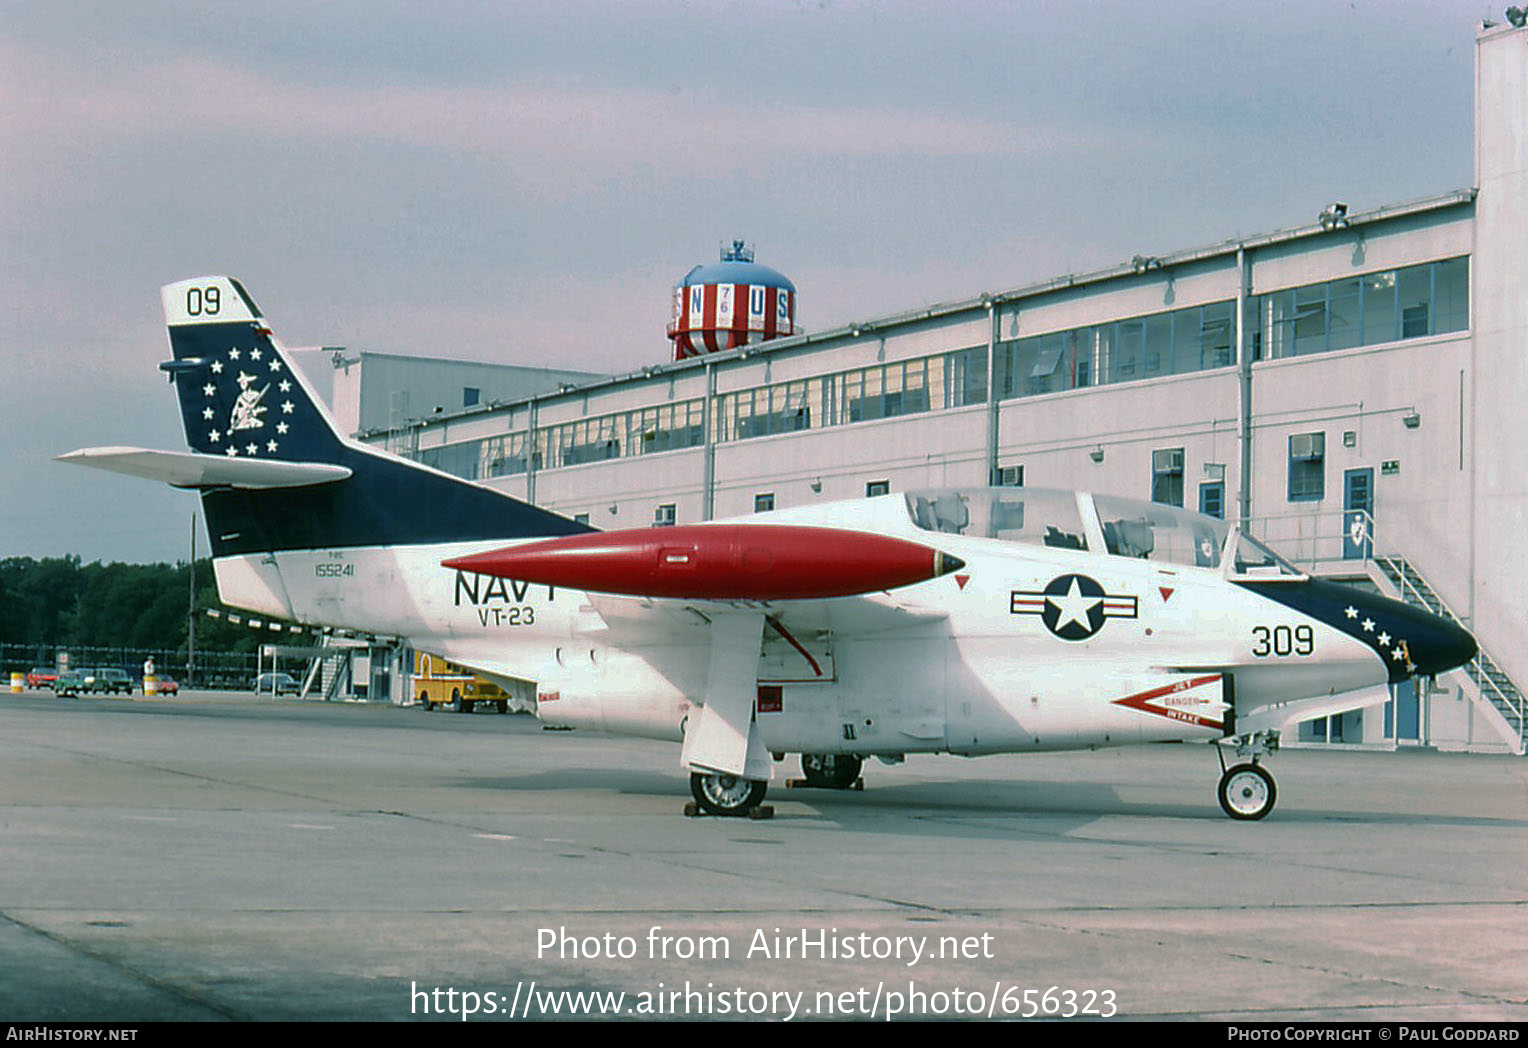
<point x="962" y="663"/>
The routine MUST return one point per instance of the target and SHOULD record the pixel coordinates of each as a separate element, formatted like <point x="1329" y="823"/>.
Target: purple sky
<point x="526" y="185"/>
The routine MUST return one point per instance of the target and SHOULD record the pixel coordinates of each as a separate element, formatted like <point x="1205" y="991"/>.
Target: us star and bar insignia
<point x="1073" y="607"/>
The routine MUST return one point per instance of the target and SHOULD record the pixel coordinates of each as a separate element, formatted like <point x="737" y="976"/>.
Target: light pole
<point x="191" y="611"/>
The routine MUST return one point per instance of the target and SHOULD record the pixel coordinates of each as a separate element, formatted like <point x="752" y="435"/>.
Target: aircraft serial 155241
<point x="980" y="621"/>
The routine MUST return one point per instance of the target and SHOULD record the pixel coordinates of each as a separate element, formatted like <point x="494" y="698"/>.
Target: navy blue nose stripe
<point x="1407" y="640"/>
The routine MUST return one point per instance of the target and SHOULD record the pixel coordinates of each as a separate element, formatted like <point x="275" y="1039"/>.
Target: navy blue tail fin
<point x="241" y="398"/>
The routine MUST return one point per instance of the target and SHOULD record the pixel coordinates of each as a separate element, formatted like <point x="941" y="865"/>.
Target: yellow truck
<point x="441" y="683"/>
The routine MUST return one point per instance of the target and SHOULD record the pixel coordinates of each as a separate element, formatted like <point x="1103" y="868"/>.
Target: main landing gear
<point x="1246" y="790"/>
<point x="830" y="771"/>
<point x="719" y="794"/>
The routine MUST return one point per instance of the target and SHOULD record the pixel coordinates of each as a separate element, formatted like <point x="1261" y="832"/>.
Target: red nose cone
<point x="718" y="562"/>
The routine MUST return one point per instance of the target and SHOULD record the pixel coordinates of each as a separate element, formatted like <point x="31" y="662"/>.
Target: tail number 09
<point x="1283" y="640"/>
<point x="206" y="301"/>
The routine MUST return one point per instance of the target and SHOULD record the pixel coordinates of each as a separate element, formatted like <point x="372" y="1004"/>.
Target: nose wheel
<point x="1247" y="791"/>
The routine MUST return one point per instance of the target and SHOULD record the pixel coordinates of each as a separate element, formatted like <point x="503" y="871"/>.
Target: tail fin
<point x="239" y="394"/>
<point x="242" y="401"/>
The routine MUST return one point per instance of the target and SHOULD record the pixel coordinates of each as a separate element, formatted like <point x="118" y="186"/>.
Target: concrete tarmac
<point x="215" y="857"/>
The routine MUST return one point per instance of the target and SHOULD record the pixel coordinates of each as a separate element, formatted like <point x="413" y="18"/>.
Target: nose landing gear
<point x="1247" y="791"/>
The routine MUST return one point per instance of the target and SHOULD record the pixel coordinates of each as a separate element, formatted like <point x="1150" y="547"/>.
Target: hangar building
<point x="1353" y="391"/>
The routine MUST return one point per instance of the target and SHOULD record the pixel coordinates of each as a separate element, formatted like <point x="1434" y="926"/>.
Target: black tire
<point x="456" y="700"/>
<point x="833" y="771"/>
<point x="503" y="705"/>
<point x="726" y="794"/>
<point x="1247" y="792"/>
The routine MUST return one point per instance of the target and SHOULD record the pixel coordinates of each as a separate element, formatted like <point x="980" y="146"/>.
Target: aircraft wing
<point x="641" y="619"/>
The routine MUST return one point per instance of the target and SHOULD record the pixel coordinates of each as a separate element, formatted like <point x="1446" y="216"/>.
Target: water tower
<point x="731" y="303"/>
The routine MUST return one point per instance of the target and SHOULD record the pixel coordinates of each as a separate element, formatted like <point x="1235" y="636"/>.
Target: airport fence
<point x="212" y="669"/>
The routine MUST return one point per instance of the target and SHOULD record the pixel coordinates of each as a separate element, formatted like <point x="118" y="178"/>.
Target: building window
<point x="1010" y="476"/>
<point x="1185" y="340"/>
<point x="1307" y="467"/>
<point x="1167" y="476"/>
<point x="665" y="516"/>
<point x="1212" y="499"/>
<point x="470" y="396"/>
<point x="1389" y="306"/>
<point x="877" y="487"/>
<point x="764" y="502"/>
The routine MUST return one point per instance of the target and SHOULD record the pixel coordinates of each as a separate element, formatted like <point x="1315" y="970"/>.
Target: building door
<point x="1358" y="514"/>
<point x="1403" y="713"/>
<point x="1212" y="499"/>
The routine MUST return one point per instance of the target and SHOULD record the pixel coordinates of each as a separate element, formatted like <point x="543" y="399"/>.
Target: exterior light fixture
<point x="1334" y="215"/>
<point x="1097" y="454"/>
<point x="1411" y="420"/>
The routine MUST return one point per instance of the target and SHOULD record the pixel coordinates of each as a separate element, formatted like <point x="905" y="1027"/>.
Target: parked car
<point x="165" y="686"/>
<point x="69" y="684"/>
<point x="275" y="684"/>
<point x="41" y="677"/>
<point x="107" y="680"/>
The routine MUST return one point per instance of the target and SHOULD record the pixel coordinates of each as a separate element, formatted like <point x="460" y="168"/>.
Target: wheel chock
<point x="805" y="784"/>
<point x="759" y="811"/>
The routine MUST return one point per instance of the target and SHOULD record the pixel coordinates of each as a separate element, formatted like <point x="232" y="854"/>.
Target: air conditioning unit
<point x="1169" y="460"/>
<point x="1307" y="445"/>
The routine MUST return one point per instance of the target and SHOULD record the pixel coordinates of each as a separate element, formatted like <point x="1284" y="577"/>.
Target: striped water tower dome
<point x="731" y="303"/>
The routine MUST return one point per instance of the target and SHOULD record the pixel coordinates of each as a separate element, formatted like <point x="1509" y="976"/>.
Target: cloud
<point x="556" y="128"/>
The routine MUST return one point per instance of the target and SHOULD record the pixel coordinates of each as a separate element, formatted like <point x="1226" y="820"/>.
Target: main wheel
<point x="1247" y="792"/>
<point x="834" y="771"/>
<point x="726" y="794"/>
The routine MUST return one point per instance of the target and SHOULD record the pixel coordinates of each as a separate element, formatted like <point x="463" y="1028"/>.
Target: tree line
<point x="60" y="602"/>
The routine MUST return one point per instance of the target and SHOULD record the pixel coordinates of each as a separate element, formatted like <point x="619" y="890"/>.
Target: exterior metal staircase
<point x="328" y="673"/>
<point x="1341" y="545"/>
<point x="1491" y="682"/>
<point x="336" y="674"/>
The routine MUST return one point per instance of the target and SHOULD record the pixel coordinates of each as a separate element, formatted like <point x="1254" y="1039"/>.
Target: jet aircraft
<point x="979" y="621"/>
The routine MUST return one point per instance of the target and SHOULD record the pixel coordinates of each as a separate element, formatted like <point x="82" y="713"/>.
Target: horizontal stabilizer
<point x="189" y="470"/>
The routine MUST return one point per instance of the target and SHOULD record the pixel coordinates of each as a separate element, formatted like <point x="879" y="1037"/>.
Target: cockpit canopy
<point x="1126" y="527"/>
<point x="1031" y="515"/>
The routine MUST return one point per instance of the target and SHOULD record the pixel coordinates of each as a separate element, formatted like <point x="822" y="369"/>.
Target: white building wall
<point x="1500" y="377"/>
<point x="1054" y="437"/>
